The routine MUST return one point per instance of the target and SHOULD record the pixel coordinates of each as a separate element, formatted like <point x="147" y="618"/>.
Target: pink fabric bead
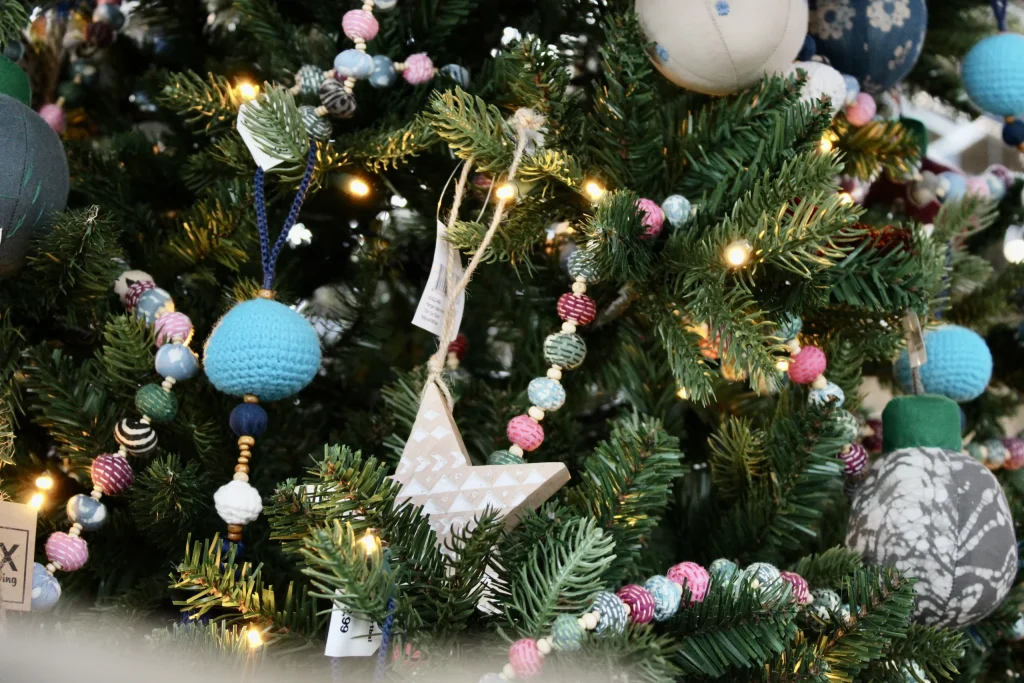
<point x="579" y="308"/>
<point x="801" y="591"/>
<point x="641" y="603"/>
<point x="525" y="432"/>
<point x="1014" y="453"/>
<point x="807" y="365"/>
<point x="525" y="658"/>
<point x="418" y="68"/>
<point x="112" y="473"/>
<point x="173" y="326"/>
<point x="136" y="290"/>
<point x="978" y="186"/>
<point x="693" y="576"/>
<point x="856" y="459"/>
<point x="54" y="117"/>
<point x="653" y="217"/>
<point x="70" y="552"/>
<point x="109" y="2"/>
<point x="358" y="24"/>
<point x="862" y="111"/>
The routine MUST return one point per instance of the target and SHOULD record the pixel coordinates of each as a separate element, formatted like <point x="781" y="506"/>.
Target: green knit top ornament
<point x="923" y="421"/>
<point x="14" y="82"/>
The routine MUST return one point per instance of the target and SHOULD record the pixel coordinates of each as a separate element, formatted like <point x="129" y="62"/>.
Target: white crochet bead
<point x="238" y="503"/>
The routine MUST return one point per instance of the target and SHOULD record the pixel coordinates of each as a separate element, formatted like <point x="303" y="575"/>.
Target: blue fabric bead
<point x="45" y="589"/>
<point x="821" y="396"/>
<point x="264" y="348"/>
<point x="354" y="63"/>
<point x="566" y="633"/>
<point x="825" y="602"/>
<point x="385" y="5"/>
<point x="176" y="360"/>
<point x="1013" y="135"/>
<point x="992" y="74"/>
<point x="384" y="74"/>
<point x="852" y="88"/>
<point x="957" y="186"/>
<point x="809" y="49"/>
<point x="152" y="304"/>
<point x="87" y="511"/>
<point x="959" y="364"/>
<point x="666" y="594"/>
<point x="457" y="73"/>
<point x="613" y="613"/>
<point x="226" y="546"/>
<point x="789" y="327"/>
<point x="722" y="570"/>
<point x="677" y="209"/>
<point x="546" y="393"/>
<point x="996" y="454"/>
<point x="248" y="419"/>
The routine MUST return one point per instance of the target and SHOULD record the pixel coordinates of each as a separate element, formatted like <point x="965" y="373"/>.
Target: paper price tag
<point x="17" y="544"/>
<point x="350" y="635"/>
<point x="434" y="302"/>
<point x="263" y="159"/>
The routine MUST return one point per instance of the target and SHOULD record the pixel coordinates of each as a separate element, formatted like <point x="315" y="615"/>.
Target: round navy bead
<point x="809" y="49"/>
<point x="1013" y="133"/>
<point x="248" y="419"/>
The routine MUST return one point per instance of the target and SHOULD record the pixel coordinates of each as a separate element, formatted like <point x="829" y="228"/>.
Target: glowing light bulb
<point x="358" y="187"/>
<point x="738" y="253"/>
<point x="505" y="191"/>
<point x="1013" y="244"/>
<point x="45" y="482"/>
<point x="247" y="91"/>
<point x="683" y="393"/>
<point x="37" y="500"/>
<point x="594" y="190"/>
<point x="825" y="145"/>
<point x="782" y="364"/>
<point x="254" y="637"/>
<point x="369" y="542"/>
<point x="845" y="198"/>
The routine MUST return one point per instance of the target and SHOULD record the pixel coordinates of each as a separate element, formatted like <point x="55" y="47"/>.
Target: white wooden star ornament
<point x="436" y="473"/>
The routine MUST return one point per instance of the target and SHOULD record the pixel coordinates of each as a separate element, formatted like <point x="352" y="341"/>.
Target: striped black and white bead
<point x="336" y="99"/>
<point x="137" y="437"/>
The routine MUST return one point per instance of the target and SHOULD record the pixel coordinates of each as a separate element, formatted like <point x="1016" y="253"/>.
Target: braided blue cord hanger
<point x="999" y="10"/>
<point x="270" y="254"/>
<point x="385" y="643"/>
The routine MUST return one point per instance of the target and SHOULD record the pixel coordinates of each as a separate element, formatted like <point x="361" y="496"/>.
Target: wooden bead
<point x="590" y="620"/>
<point x="579" y="287"/>
<point x="515" y="450"/>
<point x="819" y="382"/>
<point x="244" y="460"/>
<point x="509" y="672"/>
<point x="536" y="413"/>
<point x="236" y="528"/>
<point x="241" y="476"/>
<point x="554" y="372"/>
<point x="568" y="327"/>
<point x="249" y="398"/>
<point x="246" y="441"/>
<point x="265" y="294"/>
<point x="234" y="536"/>
<point x="241" y="467"/>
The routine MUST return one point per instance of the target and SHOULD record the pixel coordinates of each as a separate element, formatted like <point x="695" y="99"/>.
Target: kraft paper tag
<point x="264" y="160"/>
<point x="350" y="635"/>
<point x="434" y="302"/>
<point x="17" y="546"/>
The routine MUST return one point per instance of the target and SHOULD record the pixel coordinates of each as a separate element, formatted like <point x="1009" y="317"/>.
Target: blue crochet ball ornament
<point x="876" y="41"/>
<point x="992" y="74"/>
<point x="264" y="348"/>
<point x="959" y="364"/>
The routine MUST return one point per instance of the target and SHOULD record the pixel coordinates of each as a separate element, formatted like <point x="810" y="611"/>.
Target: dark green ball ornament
<point x="14" y="82"/>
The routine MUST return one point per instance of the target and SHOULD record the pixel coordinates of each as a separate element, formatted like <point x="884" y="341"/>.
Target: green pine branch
<point x="471" y="128"/>
<point x="879" y="146"/>
<point x="210" y="104"/>
<point x="13" y="20"/>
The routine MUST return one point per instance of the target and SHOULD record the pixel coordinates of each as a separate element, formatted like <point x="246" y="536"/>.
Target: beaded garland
<point x="111" y="472"/>
<point x="335" y="87"/>
<point x="998" y="453"/>
<point x="658" y="599"/>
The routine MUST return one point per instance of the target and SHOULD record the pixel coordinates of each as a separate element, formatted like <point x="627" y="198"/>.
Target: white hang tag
<point x="434" y="302"/>
<point x="350" y="635"/>
<point x="263" y="159"/>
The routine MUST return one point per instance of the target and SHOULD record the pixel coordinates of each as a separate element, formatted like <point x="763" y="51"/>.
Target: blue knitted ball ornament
<point x="264" y="348"/>
<point x="959" y="364"/>
<point x="992" y="74"/>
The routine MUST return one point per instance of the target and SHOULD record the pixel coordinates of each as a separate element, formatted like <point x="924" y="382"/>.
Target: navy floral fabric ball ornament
<point x="876" y="41"/>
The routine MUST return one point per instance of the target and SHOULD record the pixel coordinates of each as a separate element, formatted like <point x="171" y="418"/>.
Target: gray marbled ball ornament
<point x="34" y="180"/>
<point x="935" y="514"/>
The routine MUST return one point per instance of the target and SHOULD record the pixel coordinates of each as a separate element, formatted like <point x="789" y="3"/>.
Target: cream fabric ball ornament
<point x="822" y="81"/>
<point x="722" y="46"/>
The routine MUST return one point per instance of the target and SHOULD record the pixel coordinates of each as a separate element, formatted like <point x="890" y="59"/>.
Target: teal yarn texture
<point x="959" y="364"/>
<point x="264" y="348"/>
<point x="992" y="74"/>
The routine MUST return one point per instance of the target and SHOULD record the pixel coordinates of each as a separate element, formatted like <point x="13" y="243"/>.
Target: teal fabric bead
<point x="825" y="602"/>
<point x="264" y="348"/>
<point x="457" y="73"/>
<point x="546" y="393"/>
<point x="789" y="327"/>
<point x="354" y="63"/>
<point x="830" y="391"/>
<point x="666" y="594"/>
<point x="566" y="633"/>
<point x="974" y="450"/>
<point x="849" y="426"/>
<point x="504" y="458"/>
<point x="959" y="364"/>
<point x="317" y="127"/>
<point x="613" y="613"/>
<point x="723" y="570"/>
<point x="996" y="454"/>
<point x="384" y="74"/>
<point x="152" y="304"/>
<point x="385" y="5"/>
<point x="87" y="511"/>
<point x="677" y="209"/>
<point x="309" y="78"/>
<point x="177" y="361"/>
<point x="581" y="264"/>
<point x="565" y="350"/>
<point x="159" y="405"/>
